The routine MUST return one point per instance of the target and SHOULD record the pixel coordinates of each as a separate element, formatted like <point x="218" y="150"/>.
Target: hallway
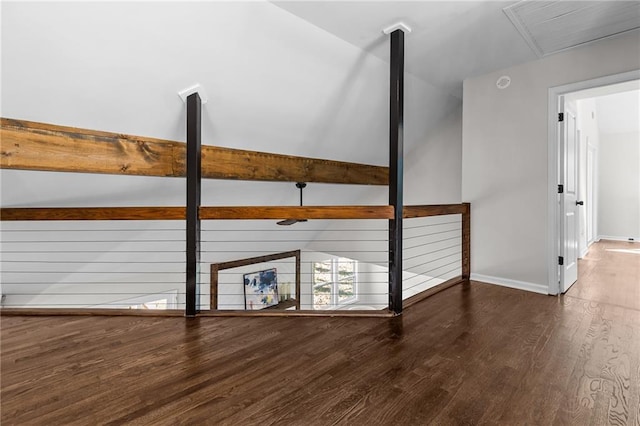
<point x="610" y="273"/>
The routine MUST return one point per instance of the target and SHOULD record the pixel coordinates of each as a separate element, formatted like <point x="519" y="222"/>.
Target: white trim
<point x="613" y="238"/>
<point x="552" y="194"/>
<point x="593" y="203"/>
<point x="522" y="30"/>
<point x="553" y="213"/>
<point x="196" y="88"/>
<point x="506" y="282"/>
<point x="397" y="26"/>
<point x="581" y="211"/>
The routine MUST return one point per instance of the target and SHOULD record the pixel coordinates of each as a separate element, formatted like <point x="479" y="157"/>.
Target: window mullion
<point x="334" y="284"/>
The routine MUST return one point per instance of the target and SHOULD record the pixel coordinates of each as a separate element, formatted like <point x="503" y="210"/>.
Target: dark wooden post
<point x="213" y="297"/>
<point x="298" y="295"/>
<point x="194" y="177"/>
<point x="466" y="242"/>
<point x="396" y="113"/>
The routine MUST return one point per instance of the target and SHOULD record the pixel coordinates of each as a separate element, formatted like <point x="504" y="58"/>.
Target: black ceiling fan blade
<point x="287" y="222"/>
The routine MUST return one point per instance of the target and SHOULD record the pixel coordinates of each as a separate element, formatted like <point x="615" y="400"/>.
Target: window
<point x="334" y="283"/>
<point x="155" y="304"/>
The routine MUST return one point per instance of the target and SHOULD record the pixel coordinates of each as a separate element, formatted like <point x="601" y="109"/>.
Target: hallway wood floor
<point x="475" y="354"/>
<point x="610" y="273"/>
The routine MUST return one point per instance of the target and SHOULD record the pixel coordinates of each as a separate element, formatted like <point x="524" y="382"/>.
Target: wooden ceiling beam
<point x="27" y="145"/>
<point x="206" y="213"/>
<point x="297" y="212"/>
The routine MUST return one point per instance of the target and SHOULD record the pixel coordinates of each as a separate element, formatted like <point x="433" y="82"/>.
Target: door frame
<point x="554" y="230"/>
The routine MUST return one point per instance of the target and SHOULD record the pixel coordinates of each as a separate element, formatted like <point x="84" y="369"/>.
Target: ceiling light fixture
<point x="503" y="82"/>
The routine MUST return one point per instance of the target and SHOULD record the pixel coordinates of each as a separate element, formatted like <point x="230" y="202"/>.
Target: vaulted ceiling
<point x="449" y="40"/>
<point x="454" y="40"/>
<point x="297" y="78"/>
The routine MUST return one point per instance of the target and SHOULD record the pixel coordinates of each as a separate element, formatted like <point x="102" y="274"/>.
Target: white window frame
<point x="335" y="283"/>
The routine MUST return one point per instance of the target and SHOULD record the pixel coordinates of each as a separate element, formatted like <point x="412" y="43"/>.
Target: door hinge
<point x="560" y="189"/>
<point x="561" y="116"/>
<point x="560" y="260"/>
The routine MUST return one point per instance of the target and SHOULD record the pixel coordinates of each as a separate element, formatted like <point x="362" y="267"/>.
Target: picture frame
<point x="260" y="289"/>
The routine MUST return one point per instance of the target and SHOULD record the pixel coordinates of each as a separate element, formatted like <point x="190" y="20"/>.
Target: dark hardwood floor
<point x="476" y="354"/>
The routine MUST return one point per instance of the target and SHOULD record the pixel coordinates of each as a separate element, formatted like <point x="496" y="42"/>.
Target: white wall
<point x="433" y="168"/>
<point x="361" y="240"/>
<point x="372" y="282"/>
<point x="619" y="186"/>
<point x="231" y="281"/>
<point x="504" y="158"/>
<point x="275" y="83"/>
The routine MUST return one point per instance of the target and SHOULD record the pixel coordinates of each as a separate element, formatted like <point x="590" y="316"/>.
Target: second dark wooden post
<point x="466" y="242"/>
<point x="194" y="177"/>
<point x="396" y="117"/>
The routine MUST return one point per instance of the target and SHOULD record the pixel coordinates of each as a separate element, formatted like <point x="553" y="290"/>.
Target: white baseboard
<point x="505" y="282"/>
<point x="613" y="238"/>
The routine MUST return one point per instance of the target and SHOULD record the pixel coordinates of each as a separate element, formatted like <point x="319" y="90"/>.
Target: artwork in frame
<point x="261" y="289"/>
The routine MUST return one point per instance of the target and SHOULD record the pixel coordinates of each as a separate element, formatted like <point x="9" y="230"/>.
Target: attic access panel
<point x="552" y="26"/>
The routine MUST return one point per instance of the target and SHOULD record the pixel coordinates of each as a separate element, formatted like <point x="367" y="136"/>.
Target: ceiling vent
<point x="552" y="26"/>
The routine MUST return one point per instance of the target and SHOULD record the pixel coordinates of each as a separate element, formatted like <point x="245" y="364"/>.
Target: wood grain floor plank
<point x="472" y="354"/>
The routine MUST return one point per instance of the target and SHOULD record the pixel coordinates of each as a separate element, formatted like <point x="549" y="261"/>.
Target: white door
<point x="583" y="243"/>
<point x="591" y="195"/>
<point x="568" y="198"/>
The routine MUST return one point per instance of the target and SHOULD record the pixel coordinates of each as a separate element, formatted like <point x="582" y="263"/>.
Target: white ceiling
<point x="277" y="80"/>
<point x="552" y="26"/>
<point x="450" y="41"/>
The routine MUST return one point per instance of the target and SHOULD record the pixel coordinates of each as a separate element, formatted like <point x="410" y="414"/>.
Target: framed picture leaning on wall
<point x="260" y="289"/>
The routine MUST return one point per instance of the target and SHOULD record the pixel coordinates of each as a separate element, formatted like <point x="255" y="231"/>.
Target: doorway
<point x="573" y="170"/>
